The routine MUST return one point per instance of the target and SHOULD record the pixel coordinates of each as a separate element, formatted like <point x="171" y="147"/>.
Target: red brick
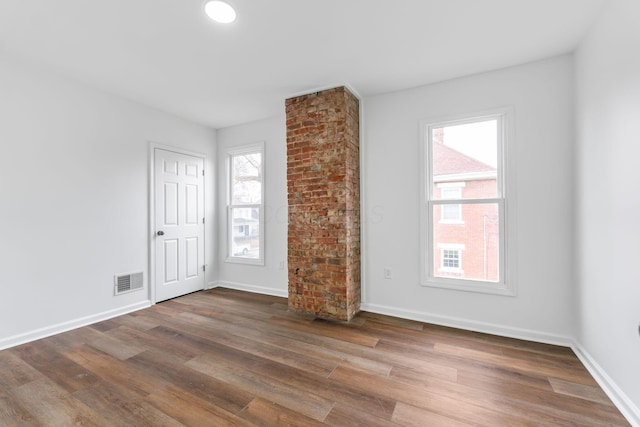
<point x="324" y="222"/>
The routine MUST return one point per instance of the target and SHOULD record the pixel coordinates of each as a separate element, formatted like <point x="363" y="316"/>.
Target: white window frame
<point x="230" y="154"/>
<point x="506" y="210"/>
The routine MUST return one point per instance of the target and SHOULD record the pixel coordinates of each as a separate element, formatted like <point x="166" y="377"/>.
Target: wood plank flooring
<point x="222" y="357"/>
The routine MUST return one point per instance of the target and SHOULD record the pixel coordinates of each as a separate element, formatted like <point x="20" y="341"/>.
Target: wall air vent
<point x="128" y="283"/>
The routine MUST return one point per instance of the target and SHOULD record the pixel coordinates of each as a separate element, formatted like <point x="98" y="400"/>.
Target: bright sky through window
<point x="477" y="140"/>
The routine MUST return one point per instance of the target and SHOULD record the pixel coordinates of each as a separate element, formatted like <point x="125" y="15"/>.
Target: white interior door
<point x="179" y="224"/>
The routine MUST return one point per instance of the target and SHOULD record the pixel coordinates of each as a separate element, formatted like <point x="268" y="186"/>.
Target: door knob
<point x="160" y="233"/>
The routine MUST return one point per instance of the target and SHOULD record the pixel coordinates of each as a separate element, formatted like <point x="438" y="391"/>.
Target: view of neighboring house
<point x="246" y="229"/>
<point x="466" y="236"/>
<point x="245" y="202"/>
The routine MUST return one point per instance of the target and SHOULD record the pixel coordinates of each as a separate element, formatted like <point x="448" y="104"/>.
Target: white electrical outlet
<point x="281" y="266"/>
<point x="387" y="272"/>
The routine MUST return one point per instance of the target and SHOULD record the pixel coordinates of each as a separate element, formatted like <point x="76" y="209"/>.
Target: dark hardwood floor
<point x="223" y="357"/>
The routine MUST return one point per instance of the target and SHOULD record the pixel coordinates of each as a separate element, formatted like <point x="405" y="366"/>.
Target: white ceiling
<point x="167" y="54"/>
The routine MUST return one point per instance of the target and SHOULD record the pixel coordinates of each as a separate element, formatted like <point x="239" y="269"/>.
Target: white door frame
<point x="152" y="210"/>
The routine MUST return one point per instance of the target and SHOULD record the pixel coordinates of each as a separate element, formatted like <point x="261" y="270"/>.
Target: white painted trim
<point x="154" y="145"/>
<point x="326" y="87"/>
<point x="628" y="408"/>
<point x="454" y="184"/>
<point x="72" y="324"/>
<point x="363" y="204"/>
<point x="152" y="214"/>
<point x="470" y="325"/>
<point x="468" y="176"/>
<point x="248" y="288"/>
<point x="254" y="147"/>
<point x="507" y="286"/>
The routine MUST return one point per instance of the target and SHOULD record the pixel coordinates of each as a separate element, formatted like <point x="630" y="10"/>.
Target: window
<point x="450" y="264"/>
<point x="450" y="258"/>
<point x="464" y="203"/>
<point x="245" y="204"/>
<point x="451" y="213"/>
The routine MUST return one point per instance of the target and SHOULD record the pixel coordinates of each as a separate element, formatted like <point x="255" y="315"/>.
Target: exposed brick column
<point x="323" y="181"/>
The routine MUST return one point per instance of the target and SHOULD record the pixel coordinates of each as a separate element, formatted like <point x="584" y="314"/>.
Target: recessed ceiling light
<point x="220" y="11"/>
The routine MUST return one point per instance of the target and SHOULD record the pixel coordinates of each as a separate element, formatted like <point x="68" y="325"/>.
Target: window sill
<point x="451" y="270"/>
<point x="245" y="261"/>
<point x="470" y="286"/>
<point x="451" y="221"/>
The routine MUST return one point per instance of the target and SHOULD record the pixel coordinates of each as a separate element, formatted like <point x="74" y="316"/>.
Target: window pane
<point x="450" y="192"/>
<point x="465" y="153"/>
<point x="451" y="258"/>
<point x="246" y="178"/>
<point x="451" y="212"/>
<point x="245" y="239"/>
<point x="468" y="250"/>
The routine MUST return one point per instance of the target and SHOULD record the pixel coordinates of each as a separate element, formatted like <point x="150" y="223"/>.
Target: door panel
<point x="170" y="261"/>
<point x="170" y="167"/>
<point x="179" y="214"/>
<point x="191" y="204"/>
<point x="192" y="256"/>
<point x="170" y="203"/>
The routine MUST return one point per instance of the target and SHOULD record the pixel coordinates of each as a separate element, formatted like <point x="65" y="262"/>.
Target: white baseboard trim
<point x="470" y="325"/>
<point x="72" y="324"/>
<point x="249" y="288"/>
<point x="629" y="409"/>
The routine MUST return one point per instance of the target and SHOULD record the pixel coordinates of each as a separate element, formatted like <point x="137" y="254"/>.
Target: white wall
<point x="270" y="278"/>
<point x="608" y="198"/>
<point x="74" y="172"/>
<point x="542" y="97"/>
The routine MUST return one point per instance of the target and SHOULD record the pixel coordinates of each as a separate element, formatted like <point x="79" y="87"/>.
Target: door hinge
<point x="203" y="220"/>
<point x="202" y="172"/>
<point x="204" y="268"/>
